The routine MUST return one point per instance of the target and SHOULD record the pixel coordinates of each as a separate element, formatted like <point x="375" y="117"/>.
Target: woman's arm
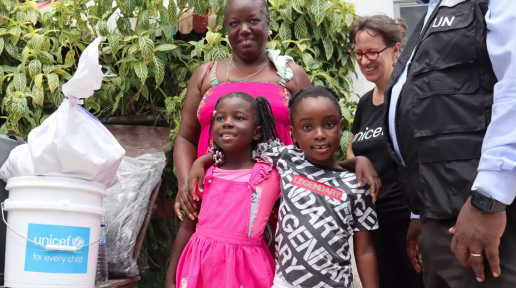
<point x="365" y="256"/>
<point x="197" y="174"/>
<point x="363" y="168"/>
<point x="349" y="152"/>
<point x="301" y="79"/>
<point x="185" y="149"/>
<point x="184" y="234"/>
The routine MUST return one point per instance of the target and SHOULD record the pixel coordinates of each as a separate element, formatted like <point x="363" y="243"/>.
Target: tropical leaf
<point x="20" y="82"/>
<point x="141" y="70"/>
<point x="285" y="32"/>
<point x="286" y="13"/>
<point x="298" y="5"/>
<point x="199" y="6"/>
<point x="318" y="82"/>
<point x="218" y="53"/>
<point x="172" y="13"/>
<point x="39" y="81"/>
<point x="145" y="92"/>
<point x="147" y="48"/>
<point x="328" y="48"/>
<point x="127" y="59"/>
<point x="336" y="21"/>
<point x="300" y="28"/>
<point x="274" y="26"/>
<point x="165" y="47"/>
<point x="48" y="56"/>
<point x="38" y="95"/>
<point x="129" y="6"/>
<point x="317" y="32"/>
<point x="47" y="68"/>
<point x="34" y="68"/>
<point x="33" y="16"/>
<point x="308" y="59"/>
<point x="349" y="19"/>
<point x="69" y="60"/>
<point x="317" y="10"/>
<point x="4" y="12"/>
<point x="113" y="43"/>
<point x="103" y="28"/>
<point x="25" y="53"/>
<point x="46" y="45"/>
<point x="53" y="81"/>
<point x="15" y="34"/>
<point x="144" y="20"/>
<point x="159" y="70"/>
<point x="212" y="38"/>
<point x="117" y="100"/>
<point x="10" y="4"/>
<point x="345" y="112"/>
<point x="12" y="50"/>
<point x="20" y="16"/>
<point x="19" y="106"/>
<point x="345" y="140"/>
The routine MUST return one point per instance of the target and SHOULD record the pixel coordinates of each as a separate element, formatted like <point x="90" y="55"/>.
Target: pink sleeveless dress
<point x="227" y="249"/>
<point x="276" y="93"/>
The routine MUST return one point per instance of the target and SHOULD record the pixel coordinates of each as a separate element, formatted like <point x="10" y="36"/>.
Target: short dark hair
<point x="392" y="31"/>
<point x="265" y="6"/>
<point x="313" y="92"/>
<point x="263" y="116"/>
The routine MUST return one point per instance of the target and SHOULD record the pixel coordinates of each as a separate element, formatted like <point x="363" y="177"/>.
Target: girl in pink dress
<point x="226" y="247"/>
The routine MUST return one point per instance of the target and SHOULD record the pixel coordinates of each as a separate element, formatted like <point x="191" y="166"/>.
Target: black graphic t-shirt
<point x="320" y="209"/>
<point x="370" y="142"/>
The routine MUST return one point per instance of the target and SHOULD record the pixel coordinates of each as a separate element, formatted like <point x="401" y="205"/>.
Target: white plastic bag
<point x="72" y="142"/>
<point x="18" y="164"/>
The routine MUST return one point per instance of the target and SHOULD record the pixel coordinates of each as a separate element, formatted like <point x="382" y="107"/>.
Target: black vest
<point x="444" y="108"/>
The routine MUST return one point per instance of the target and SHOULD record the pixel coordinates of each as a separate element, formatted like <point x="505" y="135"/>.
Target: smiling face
<point x="379" y="70"/>
<point x="247" y="22"/>
<point x="234" y="125"/>
<point x="317" y="128"/>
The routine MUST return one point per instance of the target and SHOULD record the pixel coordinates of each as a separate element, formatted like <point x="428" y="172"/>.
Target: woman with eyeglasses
<point x="378" y="40"/>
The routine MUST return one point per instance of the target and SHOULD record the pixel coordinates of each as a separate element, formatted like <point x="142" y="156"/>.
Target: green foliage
<point x="31" y="71"/>
<point x="319" y="43"/>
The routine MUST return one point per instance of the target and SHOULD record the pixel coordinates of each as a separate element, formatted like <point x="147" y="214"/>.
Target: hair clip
<point x="396" y="20"/>
<point x="214" y="112"/>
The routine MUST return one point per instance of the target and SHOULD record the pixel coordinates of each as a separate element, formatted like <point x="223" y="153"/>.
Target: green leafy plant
<point x="315" y="34"/>
<point x="32" y="69"/>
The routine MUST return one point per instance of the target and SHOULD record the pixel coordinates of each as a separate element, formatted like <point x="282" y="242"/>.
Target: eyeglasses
<point x="370" y="55"/>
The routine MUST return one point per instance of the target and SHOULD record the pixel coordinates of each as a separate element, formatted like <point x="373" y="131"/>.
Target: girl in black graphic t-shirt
<point x="377" y="44"/>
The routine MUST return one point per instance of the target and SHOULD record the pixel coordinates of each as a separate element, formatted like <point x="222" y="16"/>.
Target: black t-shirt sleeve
<point x="358" y="114"/>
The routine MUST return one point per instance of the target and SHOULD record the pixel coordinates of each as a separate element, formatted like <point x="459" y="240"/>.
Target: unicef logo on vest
<point x="37" y="259"/>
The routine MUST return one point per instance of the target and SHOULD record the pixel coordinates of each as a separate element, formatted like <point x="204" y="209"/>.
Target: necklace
<point x="229" y="66"/>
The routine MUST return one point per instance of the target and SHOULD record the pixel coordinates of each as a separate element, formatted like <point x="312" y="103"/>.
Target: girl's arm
<point x="184" y="234"/>
<point x="365" y="256"/>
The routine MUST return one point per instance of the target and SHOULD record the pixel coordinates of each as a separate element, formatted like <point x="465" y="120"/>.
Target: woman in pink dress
<point x="226" y="248"/>
<point x="252" y="69"/>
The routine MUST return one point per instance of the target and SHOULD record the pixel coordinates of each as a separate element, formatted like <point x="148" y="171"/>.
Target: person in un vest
<point x="450" y="124"/>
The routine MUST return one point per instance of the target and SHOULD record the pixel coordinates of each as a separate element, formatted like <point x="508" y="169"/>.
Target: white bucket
<point x="61" y="214"/>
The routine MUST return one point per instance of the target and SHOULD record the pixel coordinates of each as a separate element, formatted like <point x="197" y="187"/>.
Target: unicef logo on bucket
<point x="37" y="259"/>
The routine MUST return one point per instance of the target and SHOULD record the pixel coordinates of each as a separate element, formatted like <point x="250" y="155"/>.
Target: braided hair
<point x="313" y="92"/>
<point x="262" y="111"/>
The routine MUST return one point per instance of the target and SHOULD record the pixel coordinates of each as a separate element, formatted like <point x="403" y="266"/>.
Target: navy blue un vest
<point x="444" y="108"/>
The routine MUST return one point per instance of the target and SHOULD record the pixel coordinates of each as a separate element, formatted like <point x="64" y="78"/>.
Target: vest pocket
<point x="447" y="170"/>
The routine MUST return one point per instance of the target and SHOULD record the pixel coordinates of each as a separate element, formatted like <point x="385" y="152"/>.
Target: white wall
<point x="363" y="8"/>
